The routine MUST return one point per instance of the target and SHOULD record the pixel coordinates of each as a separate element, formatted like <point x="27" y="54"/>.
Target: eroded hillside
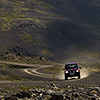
<point x="58" y="29"/>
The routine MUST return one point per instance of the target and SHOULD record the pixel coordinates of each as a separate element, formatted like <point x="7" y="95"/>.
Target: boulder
<point x="57" y="97"/>
<point x="23" y="94"/>
<point x="10" y="98"/>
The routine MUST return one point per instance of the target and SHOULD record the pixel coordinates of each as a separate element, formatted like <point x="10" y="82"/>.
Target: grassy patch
<point x="94" y="70"/>
<point x="38" y="11"/>
<point x="27" y="38"/>
<point x="7" y="18"/>
<point x="22" y="88"/>
<point x="44" y="5"/>
<point x="22" y="9"/>
<point x="18" y="12"/>
<point x="95" y="27"/>
<point x="6" y="65"/>
<point x="94" y="92"/>
<point x="96" y="55"/>
<point x="7" y="77"/>
<point x="34" y="61"/>
<point x="52" y="70"/>
<point x="12" y="2"/>
<point x="45" y="52"/>
<point x="14" y="61"/>
<point x="17" y="2"/>
<point x="1" y="93"/>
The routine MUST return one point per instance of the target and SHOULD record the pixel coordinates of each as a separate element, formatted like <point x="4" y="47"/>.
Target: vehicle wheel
<point x="66" y="78"/>
<point x="79" y="76"/>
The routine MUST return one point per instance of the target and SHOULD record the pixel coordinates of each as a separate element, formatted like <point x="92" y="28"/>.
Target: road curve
<point x="33" y="70"/>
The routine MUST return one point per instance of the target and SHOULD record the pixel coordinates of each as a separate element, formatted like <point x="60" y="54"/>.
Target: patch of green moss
<point x="95" y="27"/>
<point x="47" y="7"/>
<point x="96" y="55"/>
<point x="21" y="9"/>
<point x="24" y="9"/>
<point x="24" y="88"/>
<point x="11" y="78"/>
<point x="3" y="2"/>
<point x="44" y="5"/>
<point x="38" y="11"/>
<point x="18" y="12"/>
<point x="94" y="92"/>
<point x="24" y="18"/>
<point x="7" y="18"/>
<point x="6" y="65"/>
<point x="45" y="52"/>
<point x="1" y="93"/>
<point x="27" y="38"/>
<point x="2" y="9"/>
<point x="16" y="2"/>
<point x="57" y="16"/>
<point x="94" y="70"/>
<point x="52" y="70"/>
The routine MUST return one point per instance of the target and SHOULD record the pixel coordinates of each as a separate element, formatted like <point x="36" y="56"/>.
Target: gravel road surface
<point x="33" y="77"/>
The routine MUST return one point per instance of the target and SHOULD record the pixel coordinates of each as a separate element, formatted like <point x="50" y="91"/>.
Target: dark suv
<point x="72" y="69"/>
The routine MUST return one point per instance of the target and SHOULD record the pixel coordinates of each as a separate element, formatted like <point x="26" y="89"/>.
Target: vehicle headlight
<point x="77" y="70"/>
<point x="66" y="71"/>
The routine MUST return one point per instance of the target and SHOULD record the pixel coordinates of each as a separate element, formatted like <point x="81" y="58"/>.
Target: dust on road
<point x="84" y="73"/>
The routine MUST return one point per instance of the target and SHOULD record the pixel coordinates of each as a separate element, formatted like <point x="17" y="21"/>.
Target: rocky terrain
<point x="36" y="33"/>
<point x="19" y="57"/>
<point x="53" y="92"/>
<point x="15" y="84"/>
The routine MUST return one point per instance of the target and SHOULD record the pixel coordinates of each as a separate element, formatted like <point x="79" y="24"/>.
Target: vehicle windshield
<point x="71" y="66"/>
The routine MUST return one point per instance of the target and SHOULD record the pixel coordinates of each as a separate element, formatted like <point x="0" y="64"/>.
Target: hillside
<point x="57" y="29"/>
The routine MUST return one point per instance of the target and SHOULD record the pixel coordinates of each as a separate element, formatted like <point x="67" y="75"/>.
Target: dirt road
<point x="30" y="71"/>
<point x="33" y="70"/>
